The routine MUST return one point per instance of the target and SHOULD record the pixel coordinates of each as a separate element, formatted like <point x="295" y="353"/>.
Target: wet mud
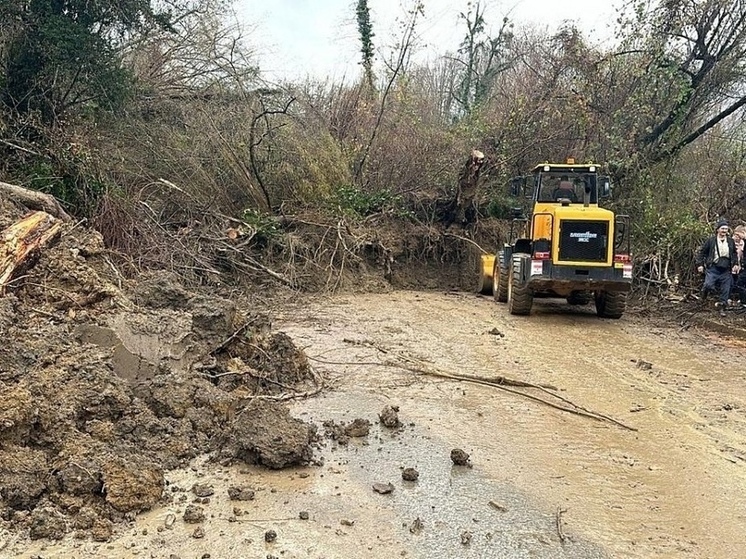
<point x="644" y="458"/>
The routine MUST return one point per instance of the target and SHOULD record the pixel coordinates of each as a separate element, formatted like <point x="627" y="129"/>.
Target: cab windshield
<point x="557" y="186"/>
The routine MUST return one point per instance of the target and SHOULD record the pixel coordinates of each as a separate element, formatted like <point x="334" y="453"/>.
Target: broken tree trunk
<point x="33" y="200"/>
<point x="467" y="187"/>
<point x="23" y="240"/>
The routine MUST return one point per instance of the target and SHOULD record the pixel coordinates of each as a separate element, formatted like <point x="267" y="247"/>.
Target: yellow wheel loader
<point x="567" y="247"/>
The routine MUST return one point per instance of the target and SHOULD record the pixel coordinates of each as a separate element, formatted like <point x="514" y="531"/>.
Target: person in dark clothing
<point x="738" y="291"/>
<point x="718" y="259"/>
<point x="565" y="189"/>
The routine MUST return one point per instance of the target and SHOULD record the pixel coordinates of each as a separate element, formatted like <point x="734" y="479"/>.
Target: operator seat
<point x="565" y="190"/>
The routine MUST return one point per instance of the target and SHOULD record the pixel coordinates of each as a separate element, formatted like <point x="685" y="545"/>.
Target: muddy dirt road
<point x="660" y="472"/>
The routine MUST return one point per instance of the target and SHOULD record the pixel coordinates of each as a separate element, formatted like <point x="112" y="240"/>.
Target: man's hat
<point x="721" y="223"/>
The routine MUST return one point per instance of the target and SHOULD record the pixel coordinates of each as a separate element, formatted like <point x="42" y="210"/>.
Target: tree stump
<point x="467" y="187"/>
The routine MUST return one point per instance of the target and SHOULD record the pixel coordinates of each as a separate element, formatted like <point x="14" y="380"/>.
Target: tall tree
<point x="60" y="54"/>
<point x="688" y="59"/>
<point x="365" y="29"/>
<point x="482" y="57"/>
<point x="396" y="65"/>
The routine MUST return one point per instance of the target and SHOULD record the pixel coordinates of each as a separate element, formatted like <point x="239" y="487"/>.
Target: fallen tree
<point x="33" y="200"/>
<point x="23" y="240"/>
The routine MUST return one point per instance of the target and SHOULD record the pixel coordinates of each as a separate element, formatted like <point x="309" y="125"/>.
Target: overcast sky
<point x="296" y="38"/>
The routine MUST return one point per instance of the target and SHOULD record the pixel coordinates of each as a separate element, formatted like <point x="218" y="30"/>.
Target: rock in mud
<point x="358" y="428"/>
<point x="132" y="484"/>
<point x="212" y="315"/>
<point x="459" y="457"/>
<point x="80" y="477"/>
<point x="410" y="474"/>
<point x="47" y="523"/>
<point x="202" y="490"/>
<point x="336" y="432"/>
<point x="270" y="536"/>
<point x="23" y="474"/>
<point x="18" y="412"/>
<point x="84" y="519"/>
<point x="240" y="494"/>
<point x="168" y="395"/>
<point x="194" y="514"/>
<point x="102" y="530"/>
<point x="264" y="433"/>
<point x="389" y="417"/>
<point x="383" y="488"/>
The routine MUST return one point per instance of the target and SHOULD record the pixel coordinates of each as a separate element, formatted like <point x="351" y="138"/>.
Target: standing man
<point x="739" y="281"/>
<point x="718" y="259"/>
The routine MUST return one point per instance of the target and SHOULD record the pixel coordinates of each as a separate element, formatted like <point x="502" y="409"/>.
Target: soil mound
<point x="106" y="383"/>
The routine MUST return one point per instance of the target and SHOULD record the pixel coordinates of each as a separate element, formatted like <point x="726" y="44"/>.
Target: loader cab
<point x="563" y="184"/>
<point x="566" y="184"/>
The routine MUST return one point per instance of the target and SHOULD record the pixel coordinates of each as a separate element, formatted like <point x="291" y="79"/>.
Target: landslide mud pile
<point x="105" y="384"/>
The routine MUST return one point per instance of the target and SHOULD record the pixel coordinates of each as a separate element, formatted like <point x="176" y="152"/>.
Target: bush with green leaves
<point x="350" y="199"/>
<point x="264" y="226"/>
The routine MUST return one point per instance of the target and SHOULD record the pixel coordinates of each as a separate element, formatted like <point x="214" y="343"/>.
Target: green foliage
<point x="351" y="200"/>
<point x="672" y="231"/>
<point x="64" y="54"/>
<point x="500" y="207"/>
<point x="67" y="181"/>
<point x="365" y="29"/>
<point x="301" y="163"/>
<point x="669" y="233"/>
<point x="264" y="226"/>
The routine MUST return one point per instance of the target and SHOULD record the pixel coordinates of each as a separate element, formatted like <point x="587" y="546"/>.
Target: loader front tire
<point x="520" y="298"/>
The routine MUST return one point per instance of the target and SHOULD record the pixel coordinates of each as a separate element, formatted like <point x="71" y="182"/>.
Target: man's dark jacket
<point x="708" y="253"/>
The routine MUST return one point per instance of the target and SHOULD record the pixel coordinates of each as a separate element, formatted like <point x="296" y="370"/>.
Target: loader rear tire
<point x="500" y="279"/>
<point x="520" y="298"/>
<point x="610" y="304"/>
